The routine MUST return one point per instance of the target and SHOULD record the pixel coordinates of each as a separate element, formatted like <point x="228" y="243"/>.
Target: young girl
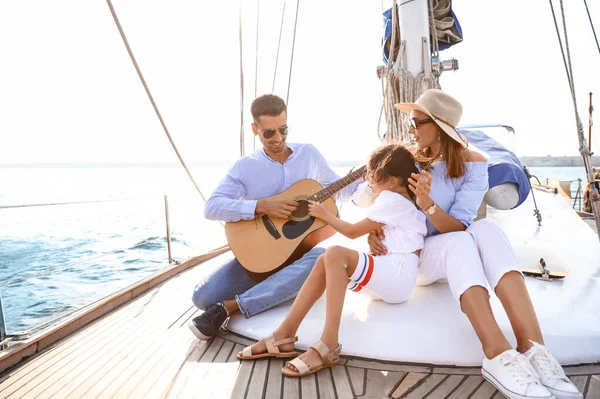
<point x="390" y="278"/>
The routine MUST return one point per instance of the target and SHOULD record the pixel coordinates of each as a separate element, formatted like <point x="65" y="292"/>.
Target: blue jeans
<point x="232" y="281"/>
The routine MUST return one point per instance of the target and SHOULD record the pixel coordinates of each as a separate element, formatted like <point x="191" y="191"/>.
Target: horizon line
<point x="199" y="163"/>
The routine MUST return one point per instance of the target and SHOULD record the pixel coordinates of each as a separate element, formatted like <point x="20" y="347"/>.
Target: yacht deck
<point x="144" y="349"/>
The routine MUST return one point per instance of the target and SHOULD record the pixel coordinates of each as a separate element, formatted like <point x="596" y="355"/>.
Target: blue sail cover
<point x="443" y="44"/>
<point x="503" y="165"/>
<point x="387" y="33"/>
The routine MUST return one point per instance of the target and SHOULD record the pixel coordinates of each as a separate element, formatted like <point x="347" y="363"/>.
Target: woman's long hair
<point x="392" y="159"/>
<point x="452" y="152"/>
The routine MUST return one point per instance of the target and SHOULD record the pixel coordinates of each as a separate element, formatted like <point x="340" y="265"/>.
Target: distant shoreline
<point x="549" y="161"/>
<point x="557" y="161"/>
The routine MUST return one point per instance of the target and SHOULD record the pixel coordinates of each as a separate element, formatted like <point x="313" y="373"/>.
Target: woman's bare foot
<point x="260" y="347"/>
<point x="311" y="357"/>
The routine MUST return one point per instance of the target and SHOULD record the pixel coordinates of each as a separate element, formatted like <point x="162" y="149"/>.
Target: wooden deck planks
<point x="14" y="379"/>
<point x="593" y="387"/>
<point x="380" y="383"/>
<point x="145" y="349"/>
<point x="291" y="388"/>
<point x="199" y="379"/>
<point x="242" y="378"/>
<point x="468" y="386"/>
<point x="445" y="388"/>
<point x="50" y="378"/>
<point x="256" y="387"/>
<point x="340" y="379"/>
<point x="308" y="386"/>
<point x="357" y="377"/>
<point x="408" y="383"/>
<point x="185" y="369"/>
<point x="580" y="382"/>
<point x="275" y="379"/>
<point x="94" y="369"/>
<point x="326" y="387"/>
<point x="485" y="391"/>
<point x="426" y="386"/>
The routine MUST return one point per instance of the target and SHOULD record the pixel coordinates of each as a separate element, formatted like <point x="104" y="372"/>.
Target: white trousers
<point x="481" y="255"/>
<point x="391" y="278"/>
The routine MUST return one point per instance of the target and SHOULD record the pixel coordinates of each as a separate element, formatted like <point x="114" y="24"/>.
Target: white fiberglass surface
<point x="430" y="328"/>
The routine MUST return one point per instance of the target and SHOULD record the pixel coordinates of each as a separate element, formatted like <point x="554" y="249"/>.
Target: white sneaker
<point x="551" y="374"/>
<point x="511" y="374"/>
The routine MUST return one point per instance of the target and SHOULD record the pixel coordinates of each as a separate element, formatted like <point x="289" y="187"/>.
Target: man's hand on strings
<point x="276" y="207"/>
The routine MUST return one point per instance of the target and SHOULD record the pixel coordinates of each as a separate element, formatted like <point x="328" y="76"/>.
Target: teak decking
<point x="144" y="349"/>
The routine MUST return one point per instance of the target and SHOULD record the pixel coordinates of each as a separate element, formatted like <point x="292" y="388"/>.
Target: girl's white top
<point x="405" y="226"/>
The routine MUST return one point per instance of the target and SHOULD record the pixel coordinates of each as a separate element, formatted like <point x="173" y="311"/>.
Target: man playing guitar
<point x="241" y="195"/>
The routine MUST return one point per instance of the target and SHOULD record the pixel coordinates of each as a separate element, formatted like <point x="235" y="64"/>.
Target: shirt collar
<point x="292" y="147"/>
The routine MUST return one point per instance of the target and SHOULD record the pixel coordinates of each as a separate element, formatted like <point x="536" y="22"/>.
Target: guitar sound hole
<point x="302" y="211"/>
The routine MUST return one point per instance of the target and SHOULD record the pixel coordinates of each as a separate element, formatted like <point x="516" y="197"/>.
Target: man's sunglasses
<point x="268" y="133"/>
<point x="414" y="123"/>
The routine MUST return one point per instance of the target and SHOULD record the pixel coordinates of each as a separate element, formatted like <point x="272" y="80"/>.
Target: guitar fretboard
<point x="338" y="185"/>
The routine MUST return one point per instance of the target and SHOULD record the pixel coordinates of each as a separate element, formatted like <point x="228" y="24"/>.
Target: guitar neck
<point x="338" y="185"/>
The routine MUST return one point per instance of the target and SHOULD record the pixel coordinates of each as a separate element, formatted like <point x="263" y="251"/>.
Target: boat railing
<point x="576" y="192"/>
<point x="5" y="336"/>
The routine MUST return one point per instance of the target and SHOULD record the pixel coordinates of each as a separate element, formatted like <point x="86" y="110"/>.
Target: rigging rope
<point x="287" y="99"/>
<point x="160" y="118"/>
<point x="242" y="151"/>
<point x="592" y="24"/>
<point x="579" y="124"/>
<point x="583" y="148"/>
<point x="63" y="203"/>
<point x="278" y="46"/>
<point x="398" y="84"/>
<point x="256" y="64"/>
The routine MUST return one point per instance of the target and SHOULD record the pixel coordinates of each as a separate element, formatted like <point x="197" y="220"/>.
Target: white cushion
<point x="504" y="196"/>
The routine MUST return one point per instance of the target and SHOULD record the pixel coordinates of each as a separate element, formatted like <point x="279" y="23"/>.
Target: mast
<point x="414" y="32"/>
<point x="590" y="123"/>
<point x="416" y="68"/>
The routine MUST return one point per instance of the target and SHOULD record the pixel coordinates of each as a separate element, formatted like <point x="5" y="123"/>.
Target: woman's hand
<point x="375" y="245"/>
<point x="317" y="210"/>
<point x="420" y="185"/>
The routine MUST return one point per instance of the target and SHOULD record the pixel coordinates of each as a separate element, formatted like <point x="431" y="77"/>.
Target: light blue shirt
<point x="459" y="197"/>
<point x="258" y="176"/>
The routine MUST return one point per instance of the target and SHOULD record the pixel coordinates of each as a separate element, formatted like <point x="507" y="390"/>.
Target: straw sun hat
<point x="444" y="109"/>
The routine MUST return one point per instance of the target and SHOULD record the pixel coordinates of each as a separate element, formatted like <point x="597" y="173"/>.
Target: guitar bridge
<point x="270" y="226"/>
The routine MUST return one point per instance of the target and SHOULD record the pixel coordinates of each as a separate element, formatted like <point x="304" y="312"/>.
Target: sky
<point x="69" y="92"/>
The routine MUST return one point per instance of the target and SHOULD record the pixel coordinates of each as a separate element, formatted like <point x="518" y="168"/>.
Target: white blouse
<point x="405" y="226"/>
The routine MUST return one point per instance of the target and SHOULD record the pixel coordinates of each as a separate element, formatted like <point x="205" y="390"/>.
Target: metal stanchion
<point x="168" y="229"/>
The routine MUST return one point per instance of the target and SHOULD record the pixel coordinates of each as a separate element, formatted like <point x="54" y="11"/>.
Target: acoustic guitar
<point x="265" y="244"/>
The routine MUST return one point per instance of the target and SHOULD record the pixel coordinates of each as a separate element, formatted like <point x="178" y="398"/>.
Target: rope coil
<point x="398" y="85"/>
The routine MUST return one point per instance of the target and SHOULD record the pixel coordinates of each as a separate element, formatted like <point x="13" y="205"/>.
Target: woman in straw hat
<point x="472" y="255"/>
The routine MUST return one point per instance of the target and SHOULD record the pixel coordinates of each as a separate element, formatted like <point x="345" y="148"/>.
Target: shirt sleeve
<point x="390" y="211"/>
<point x="470" y="194"/>
<point x="227" y="202"/>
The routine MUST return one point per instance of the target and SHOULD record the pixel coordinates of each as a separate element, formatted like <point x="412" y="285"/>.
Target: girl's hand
<point x="420" y="185"/>
<point x="375" y="245"/>
<point x="317" y="210"/>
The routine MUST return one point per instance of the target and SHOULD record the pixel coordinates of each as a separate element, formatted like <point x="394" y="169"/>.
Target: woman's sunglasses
<point x="268" y="133"/>
<point x="414" y="123"/>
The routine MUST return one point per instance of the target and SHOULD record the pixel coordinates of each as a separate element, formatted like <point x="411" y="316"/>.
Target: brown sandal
<point x="329" y="358"/>
<point x="272" y="349"/>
